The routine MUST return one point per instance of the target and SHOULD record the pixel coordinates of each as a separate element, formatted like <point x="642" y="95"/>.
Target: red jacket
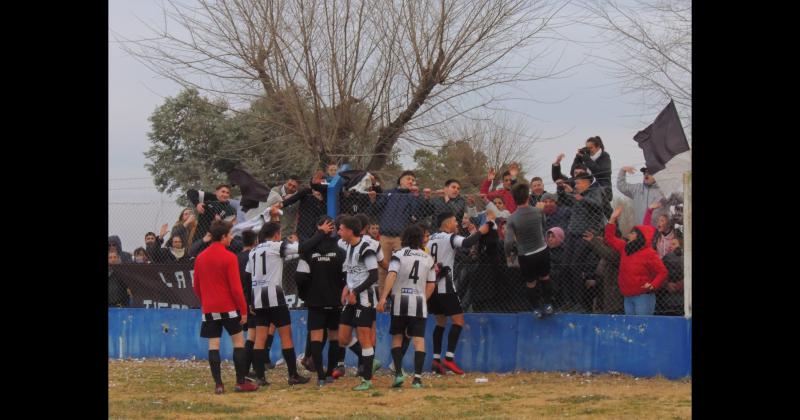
<point x="643" y="266"/>
<point x="505" y="194"/>
<point x="216" y="280"/>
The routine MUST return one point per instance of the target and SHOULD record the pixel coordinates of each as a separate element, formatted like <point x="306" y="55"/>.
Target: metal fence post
<point x="687" y="244"/>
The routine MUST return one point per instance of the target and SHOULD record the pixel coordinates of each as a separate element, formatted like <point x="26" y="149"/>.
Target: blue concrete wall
<point x="637" y="345"/>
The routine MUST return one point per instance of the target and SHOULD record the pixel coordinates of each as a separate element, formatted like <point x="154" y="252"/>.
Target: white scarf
<point x="597" y="155"/>
<point x="178" y="253"/>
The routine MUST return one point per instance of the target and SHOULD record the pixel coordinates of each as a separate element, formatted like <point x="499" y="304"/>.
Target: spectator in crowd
<point x="665" y="231"/>
<point x="505" y="192"/>
<point x="395" y="209"/>
<point x="556" y="216"/>
<point x="643" y="195"/>
<point x="312" y="205"/>
<point x="560" y="179"/>
<point x="140" y="256"/>
<point x="498" y="207"/>
<point x="605" y="289"/>
<point x="597" y="161"/>
<point x="210" y="208"/>
<point x="555" y="244"/>
<point x="118" y="292"/>
<point x="586" y="207"/>
<point x="669" y="299"/>
<point x="151" y="240"/>
<point x="374" y="230"/>
<point x="330" y="172"/>
<point x="641" y="272"/>
<point x="451" y="200"/>
<point x="280" y="193"/>
<point x="355" y="199"/>
<point x="115" y="244"/>
<point x="186" y="226"/>
<point x="537" y="190"/>
<point x="174" y="253"/>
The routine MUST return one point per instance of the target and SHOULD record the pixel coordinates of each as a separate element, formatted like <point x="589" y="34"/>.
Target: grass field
<point x="168" y="388"/>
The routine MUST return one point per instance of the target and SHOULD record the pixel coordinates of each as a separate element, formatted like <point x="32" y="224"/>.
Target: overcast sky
<point x="569" y="110"/>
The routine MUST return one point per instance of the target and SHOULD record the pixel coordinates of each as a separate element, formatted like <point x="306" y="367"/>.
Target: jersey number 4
<point x="414" y="274"/>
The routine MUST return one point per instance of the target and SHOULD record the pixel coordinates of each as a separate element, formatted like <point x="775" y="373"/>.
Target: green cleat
<point x="417" y="383"/>
<point x="376" y="364"/>
<point x="398" y="381"/>
<point x="365" y="385"/>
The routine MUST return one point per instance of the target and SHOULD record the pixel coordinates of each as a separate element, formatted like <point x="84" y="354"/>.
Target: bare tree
<point x="349" y="77"/>
<point x="653" y="49"/>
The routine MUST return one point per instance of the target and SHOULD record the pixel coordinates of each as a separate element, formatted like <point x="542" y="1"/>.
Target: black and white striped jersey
<point x="359" y="259"/>
<point x="265" y="265"/>
<point x="442" y="247"/>
<point x="415" y="269"/>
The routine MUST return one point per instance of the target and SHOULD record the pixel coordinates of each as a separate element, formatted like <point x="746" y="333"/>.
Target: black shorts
<point x="319" y="318"/>
<point x="407" y="325"/>
<point x="278" y="315"/>
<point x="534" y="266"/>
<point x="251" y="321"/>
<point x="213" y="329"/>
<point x="357" y="316"/>
<point x="444" y="304"/>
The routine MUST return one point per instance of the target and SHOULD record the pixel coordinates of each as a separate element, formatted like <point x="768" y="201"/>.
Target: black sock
<point x="259" y="361"/>
<point x="397" y="357"/>
<point x="316" y="353"/>
<point x="438" y="334"/>
<point x="452" y="340"/>
<point x="367" y="359"/>
<point x="533" y="294"/>
<point x="268" y="346"/>
<point x="248" y="347"/>
<point x="239" y="360"/>
<point x="333" y="357"/>
<point x="356" y="348"/>
<point x="419" y="360"/>
<point x="307" y="352"/>
<point x="214" y="362"/>
<point x="291" y="361"/>
<point x="547" y="292"/>
<point x="404" y="346"/>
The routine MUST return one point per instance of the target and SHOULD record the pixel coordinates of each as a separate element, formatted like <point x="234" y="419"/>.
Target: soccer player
<point x="249" y="239"/>
<point x="445" y="302"/>
<point x="361" y="266"/>
<point x="526" y="228"/>
<point x="266" y="268"/>
<point x="411" y="281"/>
<point x="319" y="272"/>
<point x="217" y="285"/>
<point x="383" y="263"/>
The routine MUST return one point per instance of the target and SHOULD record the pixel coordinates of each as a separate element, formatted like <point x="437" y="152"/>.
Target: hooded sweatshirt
<point x="125" y="257"/>
<point x="639" y="263"/>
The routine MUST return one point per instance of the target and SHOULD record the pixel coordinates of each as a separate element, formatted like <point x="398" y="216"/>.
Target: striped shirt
<point x="359" y="259"/>
<point x="265" y="265"/>
<point x="414" y="270"/>
<point x="443" y="250"/>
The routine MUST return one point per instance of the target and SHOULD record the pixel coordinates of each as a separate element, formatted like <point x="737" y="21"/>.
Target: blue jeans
<point x="644" y="304"/>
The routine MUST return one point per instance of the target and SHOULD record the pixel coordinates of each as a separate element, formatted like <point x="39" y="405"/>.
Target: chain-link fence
<point x="584" y="269"/>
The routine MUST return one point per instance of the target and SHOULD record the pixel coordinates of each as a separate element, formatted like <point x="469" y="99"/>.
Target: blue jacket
<point x="396" y="209"/>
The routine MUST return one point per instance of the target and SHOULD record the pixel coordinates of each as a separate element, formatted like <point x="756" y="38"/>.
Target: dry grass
<point x="183" y="389"/>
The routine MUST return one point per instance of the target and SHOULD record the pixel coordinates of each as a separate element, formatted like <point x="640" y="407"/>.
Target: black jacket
<point x="310" y="210"/>
<point x="117" y="290"/>
<point x="322" y="284"/>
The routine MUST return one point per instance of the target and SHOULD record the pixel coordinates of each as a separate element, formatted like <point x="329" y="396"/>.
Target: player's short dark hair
<point x="268" y="230"/>
<point x="412" y="236"/>
<point x="505" y="174"/>
<point x="405" y="173"/>
<point x="521" y="192"/>
<point x="363" y="219"/>
<point x="150" y="233"/>
<point x="441" y="217"/>
<point x="139" y="250"/>
<point x="292" y="177"/>
<point x="536" y="178"/>
<point x="222" y="186"/>
<point x="352" y="223"/>
<point x="450" y="181"/>
<point x="324" y="218"/>
<point x="218" y="229"/>
<point x="249" y="238"/>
